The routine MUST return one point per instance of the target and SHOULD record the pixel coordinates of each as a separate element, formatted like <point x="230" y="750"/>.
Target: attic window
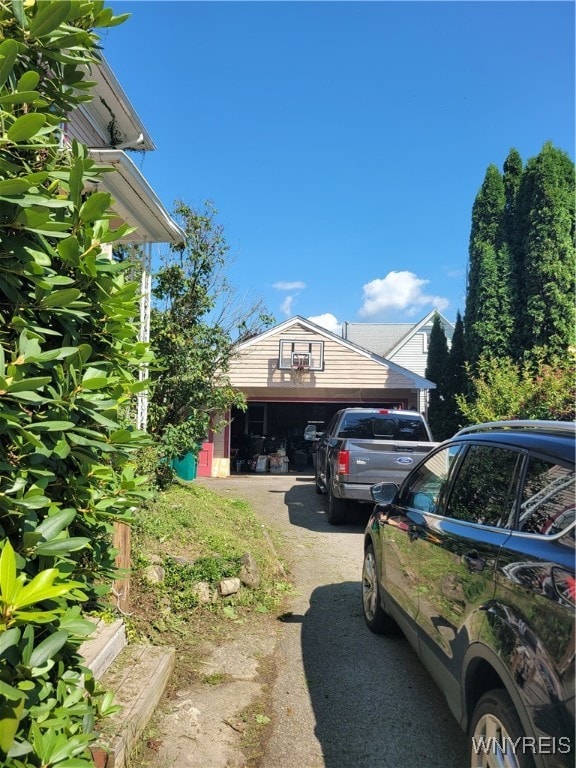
<point x="308" y="355"/>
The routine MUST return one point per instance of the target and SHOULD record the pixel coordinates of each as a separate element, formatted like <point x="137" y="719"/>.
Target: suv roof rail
<point x="537" y="425"/>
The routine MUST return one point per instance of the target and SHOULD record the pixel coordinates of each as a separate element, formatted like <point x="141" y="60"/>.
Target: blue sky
<point x="343" y="143"/>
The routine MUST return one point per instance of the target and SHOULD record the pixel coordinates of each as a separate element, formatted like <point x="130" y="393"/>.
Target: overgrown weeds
<point x="191" y="536"/>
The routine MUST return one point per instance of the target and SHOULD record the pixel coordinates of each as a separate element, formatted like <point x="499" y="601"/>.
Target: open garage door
<point x="266" y="427"/>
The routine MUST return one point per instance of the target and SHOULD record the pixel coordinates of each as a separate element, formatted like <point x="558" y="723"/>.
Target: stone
<point x="229" y="586"/>
<point x="201" y="590"/>
<point x="249" y="572"/>
<point x="154" y="574"/>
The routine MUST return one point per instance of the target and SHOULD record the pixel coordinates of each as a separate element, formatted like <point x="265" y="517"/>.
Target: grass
<point x="196" y="535"/>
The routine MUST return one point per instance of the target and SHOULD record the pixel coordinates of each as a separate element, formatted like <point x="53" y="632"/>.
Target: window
<point x="548" y="498"/>
<point x="485" y="488"/>
<point x="298" y="353"/>
<point x="382" y="426"/>
<point x="427" y="489"/>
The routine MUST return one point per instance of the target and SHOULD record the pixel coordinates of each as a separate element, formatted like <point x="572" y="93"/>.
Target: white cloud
<point x="398" y="291"/>
<point x="297" y="285"/>
<point x="286" y="306"/>
<point x="329" y="322"/>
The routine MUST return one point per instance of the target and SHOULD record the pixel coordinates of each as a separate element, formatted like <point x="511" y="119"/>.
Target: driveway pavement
<point x="341" y="696"/>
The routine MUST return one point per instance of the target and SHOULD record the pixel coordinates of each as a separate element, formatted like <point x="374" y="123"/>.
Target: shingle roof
<point x="377" y="337"/>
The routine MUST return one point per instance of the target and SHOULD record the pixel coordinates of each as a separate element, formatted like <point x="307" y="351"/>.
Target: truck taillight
<point x="343" y="463"/>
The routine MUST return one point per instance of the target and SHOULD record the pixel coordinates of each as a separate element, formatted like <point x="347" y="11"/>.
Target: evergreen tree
<point x="512" y="236"/>
<point x="488" y="317"/>
<point x="436" y="366"/>
<point x="548" y="254"/>
<point x="456" y="380"/>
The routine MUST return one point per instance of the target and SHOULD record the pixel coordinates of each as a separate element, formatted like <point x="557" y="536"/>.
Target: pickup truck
<point x="363" y="446"/>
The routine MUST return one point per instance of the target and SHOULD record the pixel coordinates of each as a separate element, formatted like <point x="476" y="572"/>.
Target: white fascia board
<point x="419" y="381"/>
<point x="135" y="201"/>
<point x="109" y="101"/>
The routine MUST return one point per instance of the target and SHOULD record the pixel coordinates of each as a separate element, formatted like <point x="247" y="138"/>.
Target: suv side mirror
<point x="384" y="493"/>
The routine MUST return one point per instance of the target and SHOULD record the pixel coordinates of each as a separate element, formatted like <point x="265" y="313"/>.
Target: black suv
<point x="473" y="558"/>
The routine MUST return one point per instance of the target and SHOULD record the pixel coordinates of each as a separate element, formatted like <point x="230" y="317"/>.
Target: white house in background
<point x="405" y="344"/>
<point x="110" y="127"/>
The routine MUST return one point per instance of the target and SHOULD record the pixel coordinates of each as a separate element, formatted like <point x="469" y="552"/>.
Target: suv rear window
<point x="548" y="498"/>
<point x="382" y="426"/>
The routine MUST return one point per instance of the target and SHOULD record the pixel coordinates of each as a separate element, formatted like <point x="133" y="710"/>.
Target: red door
<point x="205" y="460"/>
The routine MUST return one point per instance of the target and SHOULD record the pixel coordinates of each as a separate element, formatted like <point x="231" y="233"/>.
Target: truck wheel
<point x="337" y="508"/>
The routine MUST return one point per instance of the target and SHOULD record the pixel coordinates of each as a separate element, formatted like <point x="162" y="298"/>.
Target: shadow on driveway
<point x="307" y="509"/>
<point x="375" y="705"/>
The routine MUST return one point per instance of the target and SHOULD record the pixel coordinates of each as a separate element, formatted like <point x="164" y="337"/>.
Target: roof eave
<point x="135" y="201"/>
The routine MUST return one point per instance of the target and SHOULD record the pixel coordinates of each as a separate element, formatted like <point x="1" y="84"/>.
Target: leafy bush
<point x="534" y="389"/>
<point x="68" y="354"/>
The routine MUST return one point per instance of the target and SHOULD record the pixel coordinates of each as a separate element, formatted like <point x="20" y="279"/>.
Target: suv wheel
<point x="337" y="508"/>
<point x="496" y="734"/>
<point x="377" y="620"/>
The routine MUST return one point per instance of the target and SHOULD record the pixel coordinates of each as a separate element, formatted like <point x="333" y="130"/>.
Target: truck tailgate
<point x="375" y="461"/>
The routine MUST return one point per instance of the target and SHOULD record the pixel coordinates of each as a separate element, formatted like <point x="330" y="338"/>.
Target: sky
<point x="343" y="143"/>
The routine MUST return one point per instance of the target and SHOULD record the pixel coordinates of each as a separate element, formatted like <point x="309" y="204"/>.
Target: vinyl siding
<point x="80" y="128"/>
<point x="256" y="367"/>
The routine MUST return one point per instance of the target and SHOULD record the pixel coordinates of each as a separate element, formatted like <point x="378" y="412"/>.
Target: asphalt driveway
<point x="341" y="697"/>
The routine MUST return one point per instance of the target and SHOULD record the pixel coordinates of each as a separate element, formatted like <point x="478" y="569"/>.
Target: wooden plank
<point x="138" y="679"/>
<point x="121" y="588"/>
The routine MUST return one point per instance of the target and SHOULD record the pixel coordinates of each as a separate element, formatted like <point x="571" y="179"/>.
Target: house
<point x="403" y="343"/>
<point x="295" y="374"/>
<point x="110" y="128"/>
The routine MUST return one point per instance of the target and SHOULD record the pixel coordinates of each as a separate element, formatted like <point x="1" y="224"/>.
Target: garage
<point x="297" y="374"/>
<point x="267" y="426"/>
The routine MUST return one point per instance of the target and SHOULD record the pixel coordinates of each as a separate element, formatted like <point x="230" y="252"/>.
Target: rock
<point x="201" y="590"/>
<point x="181" y="560"/>
<point x="154" y="574"/>
<point x="249" y="572"/>
<point x="229" y="586"/>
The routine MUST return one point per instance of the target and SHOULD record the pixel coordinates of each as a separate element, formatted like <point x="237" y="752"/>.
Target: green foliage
<point x="68" y="353"/>
<point x="521" y="286"/>
<point x="547" y="310"/>
<point x="194" y="323"/>
<point x="436" y="368"/>
<point x="489" y="322"/>
<point x="535" y="389"/>
<point x="456" y="380"/>
<point x="181" y="578"/>
<point x="199" y="536"/>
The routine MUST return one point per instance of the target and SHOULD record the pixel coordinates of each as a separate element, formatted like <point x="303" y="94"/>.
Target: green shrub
<point x="69" y="351"/>
<point x="534" y="389"/>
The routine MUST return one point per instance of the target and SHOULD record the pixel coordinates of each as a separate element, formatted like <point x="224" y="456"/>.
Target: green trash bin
<point x="186" y="466"/>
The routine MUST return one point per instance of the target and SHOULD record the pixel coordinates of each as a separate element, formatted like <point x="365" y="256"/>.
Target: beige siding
<point x="257" y="367"/>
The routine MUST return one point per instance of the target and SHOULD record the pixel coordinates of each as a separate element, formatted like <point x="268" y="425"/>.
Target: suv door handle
<point x="474" y="561"/>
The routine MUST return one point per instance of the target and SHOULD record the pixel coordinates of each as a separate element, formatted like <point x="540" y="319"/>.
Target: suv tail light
<point x="343" y="462"/>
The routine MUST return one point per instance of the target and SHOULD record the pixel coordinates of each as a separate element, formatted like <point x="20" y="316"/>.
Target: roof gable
<point x="301" y="323"/>
<point x="386" y="339"/>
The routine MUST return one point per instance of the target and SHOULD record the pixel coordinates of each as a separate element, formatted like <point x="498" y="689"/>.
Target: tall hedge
<point x="69" y="352"/>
